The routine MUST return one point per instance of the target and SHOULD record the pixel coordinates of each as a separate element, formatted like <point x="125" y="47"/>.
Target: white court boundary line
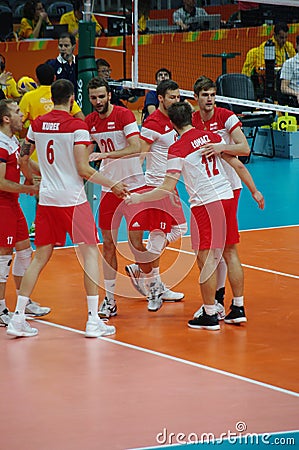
<point x="183" y="361"/>
<point x="179" y="360"/>
<point x="261" y="269"/>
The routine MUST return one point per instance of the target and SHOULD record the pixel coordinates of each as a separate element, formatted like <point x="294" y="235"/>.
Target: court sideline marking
<point x="179" y="360"/>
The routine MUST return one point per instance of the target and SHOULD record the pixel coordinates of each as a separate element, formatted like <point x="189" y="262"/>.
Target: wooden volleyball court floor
<point x="158" y="382"/>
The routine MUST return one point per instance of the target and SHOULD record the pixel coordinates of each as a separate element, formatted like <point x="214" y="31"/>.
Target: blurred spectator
<point x="72" y="19"/>
<point x="118" y="93"/>
<point x="65" y="65"/>
<point x="254" y="65"/>
<point x="143" y="15"/>
<point x="151" y="101"/>
<point x="26" y="84"/>
<point x="34" y="21"/>
<point x="189" y="17"/>
<point x="8" y="83"/>
<point x="289" y="76"/>
<point x="283" y="51"/>
<point x="39" y="101"/>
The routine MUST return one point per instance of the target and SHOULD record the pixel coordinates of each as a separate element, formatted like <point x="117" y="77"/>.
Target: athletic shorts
<point x="13" y="225"/>
<point x="214" y="225"/>
<point x="112" y="209"/>
<point x="237" y="193"/>
<point x="52" y="223"/>
<point x="161" y="214"/>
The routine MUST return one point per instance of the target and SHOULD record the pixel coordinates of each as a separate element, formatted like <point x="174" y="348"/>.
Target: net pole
<point x="134" y="69"/>
<point x="86" y="70"/>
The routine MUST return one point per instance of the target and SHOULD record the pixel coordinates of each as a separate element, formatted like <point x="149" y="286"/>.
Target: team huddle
<point x="201" y="146"/>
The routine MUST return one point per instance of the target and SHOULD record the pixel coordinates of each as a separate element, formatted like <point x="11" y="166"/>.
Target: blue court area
<point x="277" y="179"/>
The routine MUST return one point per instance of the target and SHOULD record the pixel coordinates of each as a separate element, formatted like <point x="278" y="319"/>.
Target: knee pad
<point x="21" y="262"/>
<point x="5" y="262"/>
<point x="176" y="232"/>
<point x="156" y="242"/>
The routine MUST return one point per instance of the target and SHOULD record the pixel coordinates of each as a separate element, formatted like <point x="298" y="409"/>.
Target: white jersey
<point x="55" y="134"/>
<point x="111" y="134"/>
<point x="157" y="130"/>
<point x="205" y="178"/>
<point x="223" y="123"/>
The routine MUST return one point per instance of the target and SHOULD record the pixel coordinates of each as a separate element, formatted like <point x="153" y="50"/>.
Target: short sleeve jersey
<point x="111" y="134"/>
<point x="55" y="134"/>
<point x="9" y="153"/>
<point x="205" y="178"/>
<point x="157" y="131"/>
<point x="223" y="123"/>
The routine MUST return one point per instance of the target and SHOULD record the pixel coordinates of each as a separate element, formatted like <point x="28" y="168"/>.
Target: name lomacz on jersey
<point x="199" y="142"/>
<point x="50" y="126"/>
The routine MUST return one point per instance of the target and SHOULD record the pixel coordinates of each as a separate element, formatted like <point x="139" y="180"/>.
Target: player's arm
<point x="133" y="148"/>
<point x="81" y="155"/>
<point x="246" y="178"/>
<point x="145" y="148"/>
<point x="167" y="187"/>
<point x="27" y="165"/>
<point x="240" y="146"/>
<point x="11" y="186"/>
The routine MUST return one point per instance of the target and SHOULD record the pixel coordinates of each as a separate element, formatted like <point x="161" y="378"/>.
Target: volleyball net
<point x="227" y="40"/>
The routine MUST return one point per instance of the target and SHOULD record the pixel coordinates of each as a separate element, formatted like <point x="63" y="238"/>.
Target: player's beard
<point x="104" y="108"/>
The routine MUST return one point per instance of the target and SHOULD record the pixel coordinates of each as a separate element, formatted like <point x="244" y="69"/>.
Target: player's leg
<point x="5" y="263"/>
<point x="18" y="325"/>
<point x="21" y="262"/>
<point x="110" y="214"/>
<point x="95" y="327"/>
<point x="234" y="268"/>
<point x="236" y="280"/>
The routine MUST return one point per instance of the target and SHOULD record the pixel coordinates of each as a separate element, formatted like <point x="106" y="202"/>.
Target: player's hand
<point x="259" y="198"/>
<point x="31" y="189"/>
<point x="120" y="190"/>
<point x="133" y="199"/>
<point x="212" y="149"/>
<point x="96" y="156"/>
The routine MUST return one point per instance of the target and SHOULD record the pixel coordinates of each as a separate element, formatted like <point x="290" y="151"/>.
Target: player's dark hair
<point x="98" y="82"/>
<point x="166" y="85"/>
<point x="203" y="84"/>
<point x="61" y="91"/>
<point x="180" y="114"/>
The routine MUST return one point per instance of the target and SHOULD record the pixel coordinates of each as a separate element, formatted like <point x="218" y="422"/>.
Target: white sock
<point x="92" y="306"/>
<point x="238" y="301"/>
<point x="210" y="309"/>
<point x="156" y="274"/>
<point x="149" y="278"/>
<point x="2" y="305"/>
<point x="110" y="288"/>
<point x="21" y="304"/>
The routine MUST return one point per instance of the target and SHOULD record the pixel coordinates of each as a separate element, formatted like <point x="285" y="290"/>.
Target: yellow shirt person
<point x="255" y="61"/>
<point x="72" y="21"/>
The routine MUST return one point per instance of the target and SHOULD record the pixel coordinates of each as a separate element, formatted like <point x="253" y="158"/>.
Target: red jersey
<point x="9" y="153"/>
